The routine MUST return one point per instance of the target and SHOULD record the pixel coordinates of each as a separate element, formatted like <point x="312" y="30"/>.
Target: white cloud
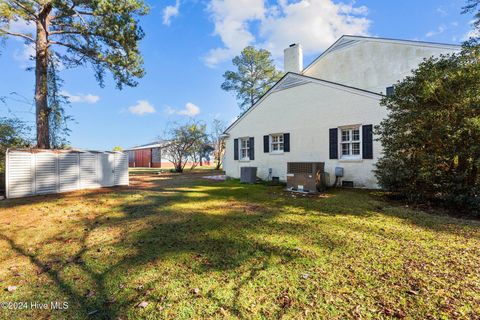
<point x="442" y="11"/>
<point x="441" y="29"/>
<point x="474" y="33"/>
<point x="231" y="19"/>
<point x="22" y="26"/>
<point x="315" y="24"/>
<point x="24" y="55"/>
<point x="170" y="12"/>
<point x="142" y="107"/>
<point x="190" y="110"/>
<point x="80" y="97"/>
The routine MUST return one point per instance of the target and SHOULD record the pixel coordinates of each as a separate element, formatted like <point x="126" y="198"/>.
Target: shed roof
<point x="158" y="144"/>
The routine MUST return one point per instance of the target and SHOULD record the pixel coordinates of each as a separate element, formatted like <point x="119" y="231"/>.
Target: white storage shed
<point x="32" y="172"/>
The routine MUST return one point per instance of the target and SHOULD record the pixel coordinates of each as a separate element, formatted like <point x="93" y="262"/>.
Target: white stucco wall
<point x="373" y="64"/>
<point x="307" y="112"/>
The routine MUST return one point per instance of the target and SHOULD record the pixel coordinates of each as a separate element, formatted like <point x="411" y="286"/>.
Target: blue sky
<point x="189" y="45"/>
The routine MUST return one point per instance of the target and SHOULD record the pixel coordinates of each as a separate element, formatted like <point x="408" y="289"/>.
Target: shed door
<point x="108" y="172"/>
<point x="143" y="158"/>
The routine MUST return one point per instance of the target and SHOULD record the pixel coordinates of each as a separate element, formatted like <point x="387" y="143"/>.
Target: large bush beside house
<point x="431" y="138"/>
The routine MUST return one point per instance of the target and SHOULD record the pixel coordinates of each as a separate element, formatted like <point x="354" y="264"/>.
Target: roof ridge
<point x="347" y="36"/>
<point x="336" y="83"/>
<point x="272" y="90"/>
<point x="401" y="40"/>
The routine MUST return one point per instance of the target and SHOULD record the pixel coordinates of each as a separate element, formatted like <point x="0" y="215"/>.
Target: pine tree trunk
<point x="41" y="88"/>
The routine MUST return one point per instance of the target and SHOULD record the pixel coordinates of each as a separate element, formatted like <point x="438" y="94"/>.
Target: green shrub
<point x="431" y="138"/>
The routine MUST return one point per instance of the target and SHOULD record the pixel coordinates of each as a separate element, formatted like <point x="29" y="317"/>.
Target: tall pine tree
<point x="102" y="33"/>
<point x="255" y="74"/>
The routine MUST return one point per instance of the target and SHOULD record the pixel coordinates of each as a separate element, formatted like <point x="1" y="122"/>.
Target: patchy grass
<point x="192" y="248"/>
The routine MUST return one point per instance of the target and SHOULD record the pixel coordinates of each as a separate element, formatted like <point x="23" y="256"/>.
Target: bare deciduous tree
<point x="185" y="143"/>
<point x="218" y="142"/>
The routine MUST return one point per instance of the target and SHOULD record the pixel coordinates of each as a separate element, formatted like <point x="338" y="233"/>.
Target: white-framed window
<point x="350" y="142"/>
<point x="276" y="142"/>
<point x="244" y="149"/>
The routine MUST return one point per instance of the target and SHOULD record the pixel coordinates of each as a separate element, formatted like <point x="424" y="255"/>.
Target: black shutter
<point x="266" y="144"/>
<point x="286" y="142"/>
<point x="367" y="141"/>
<point x="334" y="143"/>
<point x="252" y="149"/>
<point x="235" y="149"/>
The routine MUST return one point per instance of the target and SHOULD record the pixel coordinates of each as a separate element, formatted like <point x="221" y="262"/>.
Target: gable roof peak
<point x="348" y="40"/>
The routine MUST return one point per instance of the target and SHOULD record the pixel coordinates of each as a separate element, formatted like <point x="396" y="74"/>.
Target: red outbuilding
<point x="148" y="156"/>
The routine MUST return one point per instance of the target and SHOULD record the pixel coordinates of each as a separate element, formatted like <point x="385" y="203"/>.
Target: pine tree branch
<point x="15" y="34"/>
<point x="85" y="52"/>
<point x="27" y="10"/>
<point x="65" y="15"/>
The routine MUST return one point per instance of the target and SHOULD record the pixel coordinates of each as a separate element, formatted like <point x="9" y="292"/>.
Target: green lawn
<point x="192" y="248"/>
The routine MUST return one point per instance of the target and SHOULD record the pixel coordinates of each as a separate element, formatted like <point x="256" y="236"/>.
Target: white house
<point x="327" y="111"/>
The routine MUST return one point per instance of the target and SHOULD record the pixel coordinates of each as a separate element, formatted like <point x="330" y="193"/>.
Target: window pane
<point x="274" y="147"/>
<point x="280" y="138"/>
<point x="356" y="148"/>
<point x="356" y="134"/>
<point x="280" y="146"/>
<point x="345" y="149"/>
<point x="345" y="135"/>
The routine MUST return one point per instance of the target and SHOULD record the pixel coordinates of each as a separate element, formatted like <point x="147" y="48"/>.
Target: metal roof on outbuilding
<point x="159" y="144"/>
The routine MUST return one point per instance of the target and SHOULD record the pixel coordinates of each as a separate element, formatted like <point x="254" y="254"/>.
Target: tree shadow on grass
<point x="221" y="240"/>
<point x="371" y="203"/>
<point x="210" y="241"/>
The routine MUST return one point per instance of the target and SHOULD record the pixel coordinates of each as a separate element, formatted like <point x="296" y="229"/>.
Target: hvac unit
<point x="306" y="176"/>
<point x="248" y="174"/>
